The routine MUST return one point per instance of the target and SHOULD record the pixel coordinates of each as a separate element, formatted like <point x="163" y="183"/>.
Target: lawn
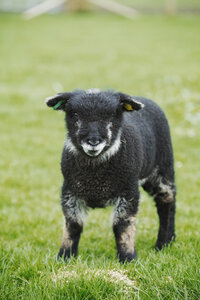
<point x="157" y="57"/>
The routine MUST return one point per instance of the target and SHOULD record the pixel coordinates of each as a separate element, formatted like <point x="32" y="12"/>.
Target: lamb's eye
<point x="112" y="116"/>
<point x="76" y="116"/>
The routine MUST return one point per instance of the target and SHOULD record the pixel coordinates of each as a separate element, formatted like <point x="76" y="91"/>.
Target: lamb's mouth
<point x="93" y="151"/>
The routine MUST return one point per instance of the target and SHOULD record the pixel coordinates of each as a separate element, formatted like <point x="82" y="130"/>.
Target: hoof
<point x="161" y="244"/>
<point x="128" y="257"/>
<point x="63" y="253"/>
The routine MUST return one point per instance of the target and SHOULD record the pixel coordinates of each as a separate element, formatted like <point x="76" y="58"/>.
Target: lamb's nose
<point x="94" y="142"/>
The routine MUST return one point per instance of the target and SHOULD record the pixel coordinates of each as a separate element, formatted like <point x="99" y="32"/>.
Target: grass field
<point x="157" y="57"/>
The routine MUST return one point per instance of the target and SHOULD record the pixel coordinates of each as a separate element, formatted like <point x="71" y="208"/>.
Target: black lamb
<point x="115" y="143"/>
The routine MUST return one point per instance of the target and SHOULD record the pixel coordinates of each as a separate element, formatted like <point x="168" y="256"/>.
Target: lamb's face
<point x="93" y="122"/>
<point x="94" y="119"/>
<point x="92" y="136"/>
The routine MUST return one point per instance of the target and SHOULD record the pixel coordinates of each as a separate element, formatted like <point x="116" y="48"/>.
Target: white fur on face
<point x="96" y="150"/>
<point x="99" y="148"/>
<point x="109" y="126"/>
<point x="79" y="123"/>
<point x="113" y="149"/>
<point x="70" y="146"/>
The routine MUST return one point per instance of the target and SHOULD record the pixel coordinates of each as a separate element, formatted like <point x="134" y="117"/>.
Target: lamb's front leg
<point x="73" y="210"/>
<point x="71" y="236"/>
<point x="124" y="228"/>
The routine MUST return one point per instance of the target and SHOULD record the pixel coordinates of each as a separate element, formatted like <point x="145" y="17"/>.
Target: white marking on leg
<point x="66" y="241"/>
<point x="168" y="192"/>
<point x="153" y="177"/>
<point x="74" y="208"/>
<point x="127" y="239"/>
<point x="120" y="210"/>
<point x="127" y="236"/>
<point x="142" y="181"/>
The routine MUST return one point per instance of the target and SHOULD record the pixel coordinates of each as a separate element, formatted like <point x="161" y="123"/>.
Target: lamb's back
<point x="151" y="125"/>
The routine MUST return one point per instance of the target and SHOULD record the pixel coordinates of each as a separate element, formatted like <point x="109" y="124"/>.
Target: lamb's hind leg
<point x="164" y="193"/>
<point x="165" y="203"/>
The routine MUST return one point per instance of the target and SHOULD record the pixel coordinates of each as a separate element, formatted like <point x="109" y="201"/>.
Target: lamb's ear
<point x="129" y="103"/>
<point x="58" y="101"/>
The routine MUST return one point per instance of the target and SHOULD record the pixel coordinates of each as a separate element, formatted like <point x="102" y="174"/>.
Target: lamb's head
<point x="94" y="119"/>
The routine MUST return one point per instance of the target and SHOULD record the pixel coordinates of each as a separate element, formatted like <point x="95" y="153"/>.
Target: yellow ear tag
<point x="128" y="106"/>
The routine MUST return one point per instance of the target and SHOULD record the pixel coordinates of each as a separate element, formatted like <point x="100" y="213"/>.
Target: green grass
<point x="151" y="56"/>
